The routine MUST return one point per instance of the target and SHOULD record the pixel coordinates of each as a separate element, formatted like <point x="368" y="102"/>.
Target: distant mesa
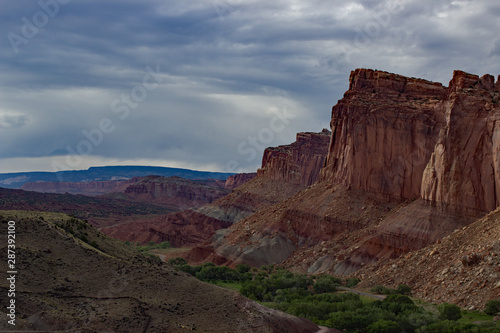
<point x="106" y="173"/>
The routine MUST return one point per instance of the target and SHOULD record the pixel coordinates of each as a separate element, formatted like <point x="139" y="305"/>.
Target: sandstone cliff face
<point x="383" y="133"/>
<point x="464" y="168"/>
<point x="234" y="181"/>
<point x="299" y="162"/>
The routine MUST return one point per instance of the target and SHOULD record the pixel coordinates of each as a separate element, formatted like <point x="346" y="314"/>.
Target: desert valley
<point x="402" y="189"/>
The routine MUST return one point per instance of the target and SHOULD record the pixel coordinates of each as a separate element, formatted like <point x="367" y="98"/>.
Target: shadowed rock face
<point x="299" y="162"/>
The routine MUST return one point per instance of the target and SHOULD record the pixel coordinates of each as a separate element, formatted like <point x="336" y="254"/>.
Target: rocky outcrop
<point x="383" y="133"/>
<point x="234" y="181"/>
<point x="193" y="227"/>
<point x="464" y="168"/>
<point x="299" y="162"/>
<point x="181" y="229"/>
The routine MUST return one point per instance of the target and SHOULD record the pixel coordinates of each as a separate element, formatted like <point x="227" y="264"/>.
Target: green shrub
<point x="492" y="307"/>
<point x="449" y="312"/>
<point x="403" y="289"/>
<point x="325" y="284"/>
<point x="381" y="290"/>
<point x="242" y="268"/>
<point x="384" y="326"/>
<point x="178" y="261"/>
<point x="349" y="283"/>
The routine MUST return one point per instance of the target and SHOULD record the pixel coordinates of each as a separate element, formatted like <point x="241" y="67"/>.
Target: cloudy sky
<point x="208" y="84"/>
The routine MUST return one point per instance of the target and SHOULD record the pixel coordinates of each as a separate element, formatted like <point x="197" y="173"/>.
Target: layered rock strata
<point x="299" y="162"/>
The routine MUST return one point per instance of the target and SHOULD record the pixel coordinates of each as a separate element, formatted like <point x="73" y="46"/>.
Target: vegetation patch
<point x="316" y="298"/>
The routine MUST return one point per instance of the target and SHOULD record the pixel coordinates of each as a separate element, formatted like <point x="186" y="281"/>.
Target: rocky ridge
<point x="175" y="192"/>
<point x="462" y="268"/>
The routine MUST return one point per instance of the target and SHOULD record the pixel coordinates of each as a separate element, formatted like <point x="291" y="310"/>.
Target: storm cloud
<point x="208" y="84"/>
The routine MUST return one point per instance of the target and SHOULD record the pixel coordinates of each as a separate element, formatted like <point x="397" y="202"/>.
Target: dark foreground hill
<point x="74" y="279"/>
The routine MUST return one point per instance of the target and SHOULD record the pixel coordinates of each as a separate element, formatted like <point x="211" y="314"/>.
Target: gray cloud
<point x="226" y="66"/>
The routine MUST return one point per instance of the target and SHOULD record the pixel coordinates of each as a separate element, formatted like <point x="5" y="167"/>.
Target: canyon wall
<point x="464" y="168"/>
<point x="409" y="138"/>
<point x="299" y="162"/>
<point x="383" y="133"/>
<point x="408" y="162"/>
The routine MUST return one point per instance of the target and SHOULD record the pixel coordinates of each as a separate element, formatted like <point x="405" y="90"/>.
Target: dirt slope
<point x="66" y="285"/>
<point x="463" y="268"/>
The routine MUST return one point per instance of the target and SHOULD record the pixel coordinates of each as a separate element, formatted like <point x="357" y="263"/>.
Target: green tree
<point x="178" y="261"/>
<point x="349" y="283"/>
<point x="492" y="307"/>
<point x="242" y="268"/>
<point x="384" y="326"/>
<point x="325" y="284"/>
<point x="449" y="312"/>
<point x="403" y="289"/>
<point x="165" y="245"/>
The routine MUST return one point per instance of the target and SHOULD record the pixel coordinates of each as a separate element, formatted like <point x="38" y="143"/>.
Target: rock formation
<point x="299" y="162"/>
<point x="238" y="179"/>
<point x="393" y="180"/>
<point x="175" y="191"/>
<point x="383" y="133"/>
<point x="464" y="168"/>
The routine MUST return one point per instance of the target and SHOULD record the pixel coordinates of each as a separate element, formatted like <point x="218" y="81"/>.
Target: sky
<point x="207" y="85"/>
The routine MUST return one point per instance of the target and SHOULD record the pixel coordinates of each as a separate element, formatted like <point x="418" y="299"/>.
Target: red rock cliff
<point x="464" y="168"/>
<point x="239" y="179"/>
<point x="383" y="133"/>
<point x="299" y="162"/>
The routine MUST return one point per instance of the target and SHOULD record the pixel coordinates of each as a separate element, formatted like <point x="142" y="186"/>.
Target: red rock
<point x="170" y="191"/>
<point x="234" y="181"/>
<point x="299" y="162"/>
<point x="464" y="168"/>
<point x="383" y="133"/>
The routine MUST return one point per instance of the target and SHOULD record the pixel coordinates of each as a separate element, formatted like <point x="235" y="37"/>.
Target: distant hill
<point x="83" y="207"/>
<point x="18" y="179"/>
